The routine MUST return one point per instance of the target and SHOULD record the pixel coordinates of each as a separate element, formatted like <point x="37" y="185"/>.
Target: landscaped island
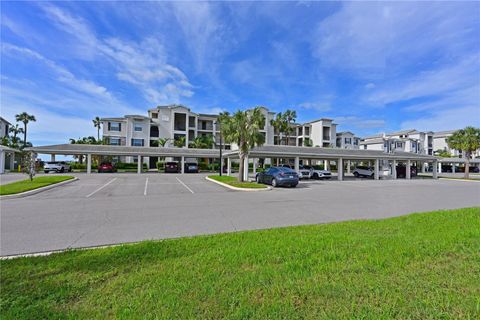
<point x="421" y="266"/>
<point x="233" y="181"/>
<point x="27" y="184"/>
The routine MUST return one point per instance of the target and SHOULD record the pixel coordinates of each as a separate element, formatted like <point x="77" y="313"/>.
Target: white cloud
<point x="317" y="106"/>
<point x="453" y="118"/>
<point x="370" y="85"/>
<point x="359" y="123"/>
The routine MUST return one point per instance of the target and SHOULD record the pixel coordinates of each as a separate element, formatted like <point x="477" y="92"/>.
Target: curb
<point x="267" y="188"/>
<point x="459" y="179"/>
<point x="35" y="191"/>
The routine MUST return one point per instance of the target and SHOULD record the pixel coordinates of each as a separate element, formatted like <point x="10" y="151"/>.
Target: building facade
<point x="4" y="128"/>
<point x="407" y="140"/>
<point x="440" y="144"/>
<point x="347" y="140"/>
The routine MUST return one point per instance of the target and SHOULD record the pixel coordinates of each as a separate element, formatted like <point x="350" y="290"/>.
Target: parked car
<point x="278" y="176"/>
<point x="106" y="167"/>
<point x="363" y="171"/>
<point x="402" y="171"/>
<point x="191" y="167"/>
<point x="303" y="172"/>
<point x="56" y="166"/>
<point x="171" y="167"/>
<point x="319" y="174"/>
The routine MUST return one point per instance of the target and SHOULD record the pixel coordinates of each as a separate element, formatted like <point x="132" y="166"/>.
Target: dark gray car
<point x="278" y="176"/>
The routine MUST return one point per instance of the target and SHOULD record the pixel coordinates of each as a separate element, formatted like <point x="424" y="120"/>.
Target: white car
<point x="304" y="172"/>
<point x="362" y="171"/>
<point x="56" y="166"/>
<point x="319" y="174"/>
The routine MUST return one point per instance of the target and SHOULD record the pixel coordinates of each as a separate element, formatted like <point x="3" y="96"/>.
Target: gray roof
<point x="443" y="133"/>
<point x="114" y="119"/>
<point x="72" y="149"/>
<point x="457" y="160"/>
<point x="329" y="153"/>
<point x="8" y="149"/>
<point x="3" y="119"/>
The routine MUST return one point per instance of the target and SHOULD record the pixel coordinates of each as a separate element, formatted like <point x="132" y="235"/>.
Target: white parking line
<point x="106" y="184"/>
<point x="185" y="185"/>
<point x="146" y="186"/>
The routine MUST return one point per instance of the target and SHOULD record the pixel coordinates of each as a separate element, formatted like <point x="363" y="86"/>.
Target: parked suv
<point x="303" y="172"/>
<point x="171" y="167"/>
<point x="362" y="171"/>
<point x="191" y="167"/>
<point x="319" y="174"/>
<point x="106" y="167"/>
<point x="56" y="166"/>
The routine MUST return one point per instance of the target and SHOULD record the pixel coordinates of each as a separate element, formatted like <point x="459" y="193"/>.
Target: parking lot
<point x="102" y="209"/>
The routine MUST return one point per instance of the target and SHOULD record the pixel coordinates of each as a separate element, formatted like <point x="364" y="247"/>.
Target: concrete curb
<point x="267" y="188"/>
<point x="459" y="179"/>
<point x="35" y="191"/>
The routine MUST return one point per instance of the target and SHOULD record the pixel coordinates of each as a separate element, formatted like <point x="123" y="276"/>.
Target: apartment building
<point x="4" y="127"/>
<point x="407" y="140"/>
<point x="347" y="140"/>
<point x="440" y="143"/>
<point x="317" y="133"/>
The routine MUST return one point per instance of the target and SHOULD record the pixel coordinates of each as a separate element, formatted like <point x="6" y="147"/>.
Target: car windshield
<point x="287" y="170"/>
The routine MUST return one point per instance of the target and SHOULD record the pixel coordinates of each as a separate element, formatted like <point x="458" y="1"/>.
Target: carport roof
<point x="329" y="153"/>
<point x="73" y="149"/>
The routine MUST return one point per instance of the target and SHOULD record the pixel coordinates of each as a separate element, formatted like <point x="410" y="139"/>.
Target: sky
<point x="371" y="66"/>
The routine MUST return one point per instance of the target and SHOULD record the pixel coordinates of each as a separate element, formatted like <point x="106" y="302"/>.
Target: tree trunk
<point x="98" y="135"/>
<point x="241" y="167"/>
<point x="24" y="134"/>
<point x="467" y="165"/>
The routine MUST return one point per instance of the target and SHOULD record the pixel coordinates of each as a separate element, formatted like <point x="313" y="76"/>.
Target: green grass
<point x="27" y="184"/>
<point x="233" y="181"/>
<point x="421" y="266"/>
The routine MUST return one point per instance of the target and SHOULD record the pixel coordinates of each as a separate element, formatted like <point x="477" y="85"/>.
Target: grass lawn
<point x="233" y="181"/>
<point x="421" y="266"/>
<point x="25" y="185"/>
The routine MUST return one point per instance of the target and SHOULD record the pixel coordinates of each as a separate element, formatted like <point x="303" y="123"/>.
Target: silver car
<point x="56" y="166"/>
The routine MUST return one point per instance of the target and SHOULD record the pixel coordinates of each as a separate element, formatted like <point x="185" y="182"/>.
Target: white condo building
<point x="407" y="140"/>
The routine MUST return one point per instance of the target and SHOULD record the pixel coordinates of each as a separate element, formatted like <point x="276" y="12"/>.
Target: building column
<point x="229" y="167"/>
<point x="254" y="166"/>
<point x="408" y="174"/>
<point x="52" y="157"/>
<point x="245" y="169"/>
<point x="297" y="164"/>
<point x="349" y="166"/>
<point x="2" y="161"/>
<point x="435" y="166"/>
<point x="89" y="163"/>
<point x="182" y="163"/>
<point x="12" y="161"/>
<point x="326" y="165"/>
<point x="394" y="169"/>
<point x="453" y="167"/>
<point x="376" y="174"/>
<point x="439" y="165"/>
<point x="139" y="164"/>
<point x="340" y="169"/>
<point x="423" y="166"/>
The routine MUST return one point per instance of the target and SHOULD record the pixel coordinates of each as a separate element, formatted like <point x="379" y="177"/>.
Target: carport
<point x="340" y="156"/>
<point x="7" y="153"/>
<point x="108" y="150"/>
<point x="456" y="161"/>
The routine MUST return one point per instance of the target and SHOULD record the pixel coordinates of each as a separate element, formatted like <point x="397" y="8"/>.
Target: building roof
<point x="113" y="119"/>
<point x="3" y="120"/>
<point x="439" y="134"/>
<point x="345" y="132"/>
<point x="329" y="153"/>
<point x="74" y="149"/>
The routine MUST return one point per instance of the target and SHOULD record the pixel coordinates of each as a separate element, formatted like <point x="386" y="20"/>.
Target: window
<point x="398" y="144"/>
<point x="355" y="142"/>
<point x="348" y="140"/>
<point x="138" y="126"/>
<point x="115" y="141"/>
<point x="114" y="126"/>
<point x="137" y="142"/>
<point x="154" y="115"/>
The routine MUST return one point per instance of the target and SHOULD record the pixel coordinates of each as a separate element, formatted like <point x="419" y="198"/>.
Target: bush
<point x="161" y="165"/>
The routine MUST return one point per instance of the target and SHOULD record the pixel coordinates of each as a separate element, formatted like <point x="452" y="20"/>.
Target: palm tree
<point x="277" y="124"/>
<point x="97" y="124"/>
<point x="16" y="130"/>
<point x="467" y="140"/>
<point x="180" y="142"/>
<point x="163" y="141"/>
<point x="290" y="116"/>
<point x="243" y="128"/>
<point x="25" y="118"/>
<point x="202" y="142"/>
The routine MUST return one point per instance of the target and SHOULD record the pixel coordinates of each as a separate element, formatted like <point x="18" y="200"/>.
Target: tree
<point x="25" y="118"/>
<point x="202" y="142"/>
<point x="15" y="130"/>
<point x="307" y="142"/>
<point x="243" y="128"/>
<point x="28" y="163"/>
<point x="468" y="141"/>
<point x="97" y="124"/>
<point x="290" y="116"/>
<point x="277" y="124"/>
<point x="442" y="153"/>
<point x="180" y="142"/>
<point x="163" y="141"/>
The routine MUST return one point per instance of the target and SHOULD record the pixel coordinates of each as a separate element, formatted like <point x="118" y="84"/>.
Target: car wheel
<point x="45" y="171"/>
<point x="257" y="179"/>
<point x="315" y="176"/>
<point x="62" y="170"/>
<point x="274" y="182"/>
<point x="356" y="174"/>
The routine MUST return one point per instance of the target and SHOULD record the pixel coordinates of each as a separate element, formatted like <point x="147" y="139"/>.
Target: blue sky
<point x="372" y="66"/>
